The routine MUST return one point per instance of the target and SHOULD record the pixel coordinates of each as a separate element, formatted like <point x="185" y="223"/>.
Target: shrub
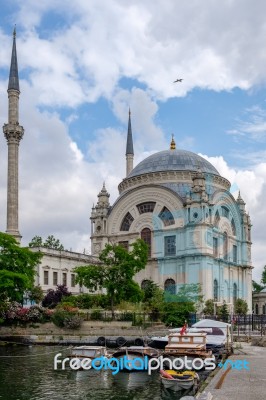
<point x="126" y="316"/>
<point x="66" y="319"/>
<point x="87" y="301"/>
<point x="175" y="314"/>
<point x="96" y="315"/>
<point x="54" y="297"/>
<point x="73" y="322"/>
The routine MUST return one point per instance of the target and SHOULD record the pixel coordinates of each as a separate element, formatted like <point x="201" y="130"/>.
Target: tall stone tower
<point x="129" y="147"/>
<point x="13" y="133"/>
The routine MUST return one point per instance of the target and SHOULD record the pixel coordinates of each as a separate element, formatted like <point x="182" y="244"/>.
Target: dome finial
<point x="172" y="144"/>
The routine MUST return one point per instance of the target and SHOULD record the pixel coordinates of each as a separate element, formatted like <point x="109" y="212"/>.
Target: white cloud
<point x="252" y="186"/>
<point x="96" y="43"/>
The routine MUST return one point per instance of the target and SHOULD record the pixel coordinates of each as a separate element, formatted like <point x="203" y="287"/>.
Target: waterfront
<point x="26" y="373"/>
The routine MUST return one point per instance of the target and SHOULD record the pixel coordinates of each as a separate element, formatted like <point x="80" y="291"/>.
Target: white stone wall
<point x="61" y="262"/>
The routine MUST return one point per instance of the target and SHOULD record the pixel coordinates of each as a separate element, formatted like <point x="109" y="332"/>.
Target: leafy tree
<point x="116" y="272"/>
<point x="241" y="306"/>
<point x="131" y="292"/>
<point x="223" y="312"/>
<point x="36" y="294"/>
<point x="17" y="268"/>
<point x="53" y="243"/>
<point x="54" y="297"/>
<point x="50" y="243"/>
<point x="176" y="314"/>
<point x="36" y="241"/>
<point x="187" y="293"/>
<point x="257" y="287"/>
<point x="209" y="307"/>
<point x="263" y="276"/>
<point x="150" y="291"/>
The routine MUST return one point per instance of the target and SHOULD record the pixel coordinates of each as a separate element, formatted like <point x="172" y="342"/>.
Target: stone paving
<point x="241" y="384"/>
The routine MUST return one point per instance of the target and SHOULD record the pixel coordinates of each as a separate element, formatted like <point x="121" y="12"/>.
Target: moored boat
<point x="89" y="352"/>
<point x="178" y="380"/>
<point x="188" y="350"/>
<point x="218" y="335"/>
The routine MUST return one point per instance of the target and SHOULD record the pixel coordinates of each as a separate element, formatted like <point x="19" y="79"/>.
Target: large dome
<point x="173" y="160"/>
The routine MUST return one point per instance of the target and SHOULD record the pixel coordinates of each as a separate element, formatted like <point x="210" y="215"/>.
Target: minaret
<point x="129" y="148"/>
<point x="13" y="134"/>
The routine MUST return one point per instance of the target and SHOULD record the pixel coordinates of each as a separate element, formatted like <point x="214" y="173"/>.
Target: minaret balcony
<point x="13" y="132"/>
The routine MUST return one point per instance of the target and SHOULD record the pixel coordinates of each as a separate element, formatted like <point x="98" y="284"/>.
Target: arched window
<point x="215" y="290"/>
<point x="169" y="286"/>
<point x="225" y="212"/>
<point x="216" y="219"/>
<point x="144" y="284"/>
<point x="234" y="292"/>
<point x="225" y="238"/>
<point x="146" y="207"/>
<point x="233" y="227"/>
<point x="146" y="236"/>
<point x="127" y="221"/>
<point x="167" y="217"/>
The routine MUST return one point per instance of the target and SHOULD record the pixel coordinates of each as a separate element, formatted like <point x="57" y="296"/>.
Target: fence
<point x="242" y="324"/>
<point x="249" y="324"/>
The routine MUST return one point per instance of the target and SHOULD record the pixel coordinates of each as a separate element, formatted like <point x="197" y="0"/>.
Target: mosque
<point x="175" y="200"/>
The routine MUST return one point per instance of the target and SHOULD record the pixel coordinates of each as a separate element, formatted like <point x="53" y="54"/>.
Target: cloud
<point x="253" y="127"/>
<point x="87" y="47"/>
<point x="252" y="185"/>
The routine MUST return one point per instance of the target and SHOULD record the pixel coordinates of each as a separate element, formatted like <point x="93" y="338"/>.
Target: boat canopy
<point x="210" y="323"/>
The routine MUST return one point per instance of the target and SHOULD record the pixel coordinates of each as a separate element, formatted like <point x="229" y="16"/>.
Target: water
<point x="27" y="374"/>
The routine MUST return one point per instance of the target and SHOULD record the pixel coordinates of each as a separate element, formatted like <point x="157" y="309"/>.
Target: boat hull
<point x="178" y="384"/>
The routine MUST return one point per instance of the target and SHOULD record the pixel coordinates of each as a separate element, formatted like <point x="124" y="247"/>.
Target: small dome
<point x="173" y="160"/>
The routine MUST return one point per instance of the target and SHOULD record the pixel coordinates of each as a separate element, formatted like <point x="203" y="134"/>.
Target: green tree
<point x="53" y="243"/>
<point x="241" y="306"/>
<point x="263" y="276"/>
<point x="36" y="241"/>
<point x="116" y="272"/>
<point x="17" y="268"/>
<point x="50" y="243"/>
<point x="36" y="294"/>
<point x="223" y="312"/>
<point x="256" y="287"/>
<point x="186" y="293"/>
<point x="176" y="314"/>
<point x="209" y="307"/>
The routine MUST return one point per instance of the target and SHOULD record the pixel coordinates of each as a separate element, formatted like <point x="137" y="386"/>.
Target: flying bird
<point x="178" y="80"/>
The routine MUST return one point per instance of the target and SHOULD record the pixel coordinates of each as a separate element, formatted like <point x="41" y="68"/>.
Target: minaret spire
<point x="129" y="146"/>
<point x="13" y="82"/>
<point x="13" y="133"/>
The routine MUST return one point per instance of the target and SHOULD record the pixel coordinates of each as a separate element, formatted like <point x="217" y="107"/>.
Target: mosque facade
<point x="196" y="231"/>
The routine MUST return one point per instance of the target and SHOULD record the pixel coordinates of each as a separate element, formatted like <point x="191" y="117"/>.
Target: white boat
<point x="192" y="345"/>
<point x="178" y="380"/>
<point x="89" y="352"/>
<point x="218" y="335"/>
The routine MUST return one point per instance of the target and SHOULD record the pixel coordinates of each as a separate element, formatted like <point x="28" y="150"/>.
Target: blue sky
<point x="82" y="64"/>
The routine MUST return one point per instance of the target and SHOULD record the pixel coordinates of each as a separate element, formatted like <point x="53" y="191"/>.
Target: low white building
<point x="57" y="268"/>
<point x="259" y="302"/>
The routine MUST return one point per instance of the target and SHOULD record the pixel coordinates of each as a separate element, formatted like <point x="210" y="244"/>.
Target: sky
<point x="83" y="63"/>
